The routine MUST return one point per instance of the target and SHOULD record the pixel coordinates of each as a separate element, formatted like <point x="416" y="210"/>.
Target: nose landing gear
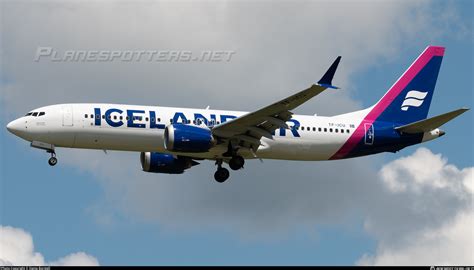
<point x="52" y="160"/>
<point x="49" y="148"/>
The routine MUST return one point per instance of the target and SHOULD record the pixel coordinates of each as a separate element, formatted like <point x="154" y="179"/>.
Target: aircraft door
<point x="369" y="134"/>
<point x="67" y="116"/>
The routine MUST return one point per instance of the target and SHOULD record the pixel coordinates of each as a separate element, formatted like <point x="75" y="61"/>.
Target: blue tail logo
<point x="413" y="98"/>
<point x="409" y="99"/>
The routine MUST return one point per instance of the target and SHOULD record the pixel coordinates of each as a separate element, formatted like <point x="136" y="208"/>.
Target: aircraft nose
<point x="15" y="127"/>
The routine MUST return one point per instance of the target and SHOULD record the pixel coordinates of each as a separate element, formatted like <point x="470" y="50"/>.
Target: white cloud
<point x="254" y="202"/>
<point x="424" y="170"/>
<point x="451" y="244"/>
<point x="17" y="248"/>
<point x="78" y="258"/>
<point x="440" y="195"/>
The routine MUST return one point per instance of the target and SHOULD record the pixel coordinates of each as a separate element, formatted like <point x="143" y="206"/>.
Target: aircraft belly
<point x="122" y="140"/>
<point x="299" y="149"/>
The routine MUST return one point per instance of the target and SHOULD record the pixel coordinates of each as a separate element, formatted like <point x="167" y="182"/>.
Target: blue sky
<point x="78" y="206"/>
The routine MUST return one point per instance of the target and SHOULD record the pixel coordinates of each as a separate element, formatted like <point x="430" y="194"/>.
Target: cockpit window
<point x="28" y="114"/>
<point x="41" y="114"/>
<point x="35" y="114"/>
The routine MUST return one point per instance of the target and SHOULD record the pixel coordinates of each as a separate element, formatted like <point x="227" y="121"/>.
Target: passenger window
<point x="35" y="114"/>
<point x="171" y="121"/>
<point x="159" y="119"/>
<point x="330" y="130"/>
<point x="97" y="116"/>
<point x="348" y="131"/>
<point x="308" y="128"/>
<point x="336" y="130"/>
<point x="314" y="129"/>
<point x="121" y="117"/>
<point x="126" y="118"/>
<point x="319" y="129"/>
<point x="86" y="115"/>
<point x="110" y="116"/>
<point x="146" y="119"/>
<point x="325" y="130"/>
<point x="103" y="116"/>
<point x="115" y="117"/>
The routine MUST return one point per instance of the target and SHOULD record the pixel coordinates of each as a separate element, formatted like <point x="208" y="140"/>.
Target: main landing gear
<point x="236" y="163"/>
<point x="222" y="174"/>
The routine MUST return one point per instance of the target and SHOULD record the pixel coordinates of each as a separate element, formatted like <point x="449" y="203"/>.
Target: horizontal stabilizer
<point x="429" y="124"/>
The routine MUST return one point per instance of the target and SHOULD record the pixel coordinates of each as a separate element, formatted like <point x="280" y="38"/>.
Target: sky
<point x="411" y="207"/>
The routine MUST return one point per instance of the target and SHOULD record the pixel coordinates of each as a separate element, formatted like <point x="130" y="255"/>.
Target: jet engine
<point x="164" y="163"/>
<point x="187" y="138"/>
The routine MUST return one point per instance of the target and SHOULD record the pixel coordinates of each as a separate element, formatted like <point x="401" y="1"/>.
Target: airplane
<point x="172" y="140"/>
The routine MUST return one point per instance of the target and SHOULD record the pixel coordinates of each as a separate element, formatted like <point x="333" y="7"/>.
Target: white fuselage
<point x="78" y="126"/>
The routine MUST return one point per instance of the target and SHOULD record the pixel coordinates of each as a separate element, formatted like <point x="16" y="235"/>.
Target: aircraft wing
<point x="247" y="130"/>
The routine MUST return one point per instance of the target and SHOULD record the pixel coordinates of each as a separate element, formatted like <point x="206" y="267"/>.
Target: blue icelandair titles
<point x="179" y="117"/>
<point x="170" y="143"/>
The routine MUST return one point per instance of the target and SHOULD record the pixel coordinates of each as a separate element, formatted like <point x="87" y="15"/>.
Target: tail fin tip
<point x="436" y="50"/>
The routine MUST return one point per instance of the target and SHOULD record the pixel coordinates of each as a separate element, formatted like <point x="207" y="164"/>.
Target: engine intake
<point x="164" y="163"/>
<point x="187" y="138"/>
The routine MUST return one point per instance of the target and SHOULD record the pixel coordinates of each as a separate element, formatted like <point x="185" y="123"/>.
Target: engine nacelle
<point x="187" y="138"/>
<point x="165" y="163"/>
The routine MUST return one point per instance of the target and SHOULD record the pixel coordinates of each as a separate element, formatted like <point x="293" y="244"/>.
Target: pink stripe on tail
<point x="391" y="94"/>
